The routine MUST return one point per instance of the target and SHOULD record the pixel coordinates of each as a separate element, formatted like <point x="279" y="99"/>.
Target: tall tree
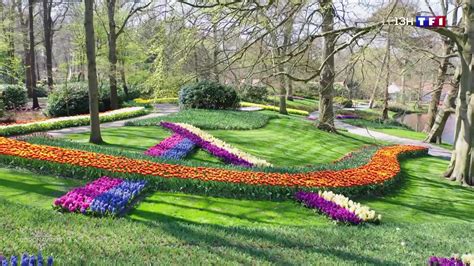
<point x="326" y="82"/>
<point x="444" y="112"/>
<point x="95" y="136"/>
<point x="113" y="33"/>
<point x="448" y="46"/>
<point x="48" y="40"/>
<point x="32" y="54"/>
<point x="387" y="79"/>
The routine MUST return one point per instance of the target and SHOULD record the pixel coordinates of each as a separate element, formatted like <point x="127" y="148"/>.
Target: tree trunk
<point x="461" y="167"/>
<point x="124" y="80"/>
<point x="377" y="81"/>
<point x="436" y="94"/>
<point x="215" y="54"/>
<point x="387" y="80"/>
<point x="289" y="92"/>
<point x="443" y="114"/>
<point x="112" y="55"/>
<point x="326" y="82"/>
<point x="32" y="54"/>
<point x="95" y="136"/>
<point x="282" y="91"/>
<point x="48" y="40"/>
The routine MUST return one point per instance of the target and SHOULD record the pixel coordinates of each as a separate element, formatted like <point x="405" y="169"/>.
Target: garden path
<point x="433" y="149"/>
<point x="160" y="110"/>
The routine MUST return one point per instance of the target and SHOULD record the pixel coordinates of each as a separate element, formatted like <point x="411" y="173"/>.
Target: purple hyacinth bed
<point x="104" y="196"/>
<point x="329" y="208"/>
<point x="175" y="147"/>
<point x="219" y="152"/>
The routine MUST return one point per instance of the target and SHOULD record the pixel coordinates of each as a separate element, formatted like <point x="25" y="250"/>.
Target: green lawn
<point x="283" y="142"/>
<point x="426" y="215"/>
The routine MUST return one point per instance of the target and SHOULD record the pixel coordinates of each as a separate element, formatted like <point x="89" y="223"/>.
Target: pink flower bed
<point x="80" y="199"/>
<point x="167" y="144"/>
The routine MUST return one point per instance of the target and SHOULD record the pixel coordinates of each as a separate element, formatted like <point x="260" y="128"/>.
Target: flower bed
<point x="103" y="196"/>
<point x="27" y="260"/>
<point x="347" y="116"/>
<point x="382" y="167"/>
<point x="338" y="207"/>
<point x="156" y="100"/>
<point x="455" y="260"/>
<point x="175" y="147"/>
<point x="274" y="108"/>
<point x="70" y="121"/>
<point x="215" y="146"/>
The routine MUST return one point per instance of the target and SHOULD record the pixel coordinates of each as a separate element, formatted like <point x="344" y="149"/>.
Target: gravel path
<point x="160" y="110"/>
<point x="433" y="149"/>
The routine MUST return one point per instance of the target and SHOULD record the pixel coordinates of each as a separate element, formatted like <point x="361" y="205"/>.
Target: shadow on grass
<point x="209" y="237"/>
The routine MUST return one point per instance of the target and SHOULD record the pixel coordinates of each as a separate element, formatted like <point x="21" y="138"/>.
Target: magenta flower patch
<point x="112" y="193"/>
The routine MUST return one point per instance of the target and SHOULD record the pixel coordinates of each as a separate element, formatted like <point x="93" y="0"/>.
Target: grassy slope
<point x="283" y="142"/>
<point x="433" y="216"/>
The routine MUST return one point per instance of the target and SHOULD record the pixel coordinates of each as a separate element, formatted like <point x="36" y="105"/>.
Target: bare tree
<point x="95" y="136"/>
<point x="32" y="55"/>
<point x="326" y="112"/>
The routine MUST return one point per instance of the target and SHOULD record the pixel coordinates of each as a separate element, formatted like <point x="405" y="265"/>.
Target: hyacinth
<point x="26" y="260"/>
<point x="215" y="146"/>
<point x="180" y="150"/>
<point x="440" y="261"/>
<point x="346" y="117"/>
<point x="116" y="199"/>
<point x="363" y="212"/>
<point x="468" y="259"/>
<point x="331" y="209"/>
<point x="174" y="147"/>
<point x="103" y="196"/>
<point x="79" y="199"/>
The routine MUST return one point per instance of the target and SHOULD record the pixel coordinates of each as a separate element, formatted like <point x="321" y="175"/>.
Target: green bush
<point x="2" y="108"/>
<point x="255" y="94"/>
<point x="343" y="102"/>
<point x="73" y="99"/>
<point x="208" y="95"/>
<point x="14" y="96"/>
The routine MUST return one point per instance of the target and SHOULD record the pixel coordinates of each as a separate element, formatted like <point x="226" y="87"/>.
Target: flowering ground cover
<point x="455" y="260"/>
<point x="215" y="146"/>
<point x="383" y="167"/>
<point x="69" y="121"/>
<point x="27" y="260"/>
<point x="174" y="147"/>
<point x="103" y="196"/>
<point x="337" y="207"/>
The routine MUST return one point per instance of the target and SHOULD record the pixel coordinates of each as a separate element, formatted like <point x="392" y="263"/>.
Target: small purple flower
<point x="440" y="261"/>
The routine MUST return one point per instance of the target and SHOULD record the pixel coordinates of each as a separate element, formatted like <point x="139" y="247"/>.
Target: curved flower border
<point x="382" y="167"/>
<point x="338" y="207"/>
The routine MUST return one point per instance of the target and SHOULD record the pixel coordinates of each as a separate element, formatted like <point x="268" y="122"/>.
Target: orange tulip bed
<point x="383" y="167"/>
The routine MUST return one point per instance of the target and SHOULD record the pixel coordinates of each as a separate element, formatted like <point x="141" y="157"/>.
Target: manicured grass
<point x="211" y="119"/>
<point x="284" y="141"/>
<point x="426" y="216"/>
<point x="34" y="190"/>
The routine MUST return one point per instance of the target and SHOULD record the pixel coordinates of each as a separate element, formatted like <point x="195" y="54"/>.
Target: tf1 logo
<point x="430" y="21"/>
<point x="420" y="21"/>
